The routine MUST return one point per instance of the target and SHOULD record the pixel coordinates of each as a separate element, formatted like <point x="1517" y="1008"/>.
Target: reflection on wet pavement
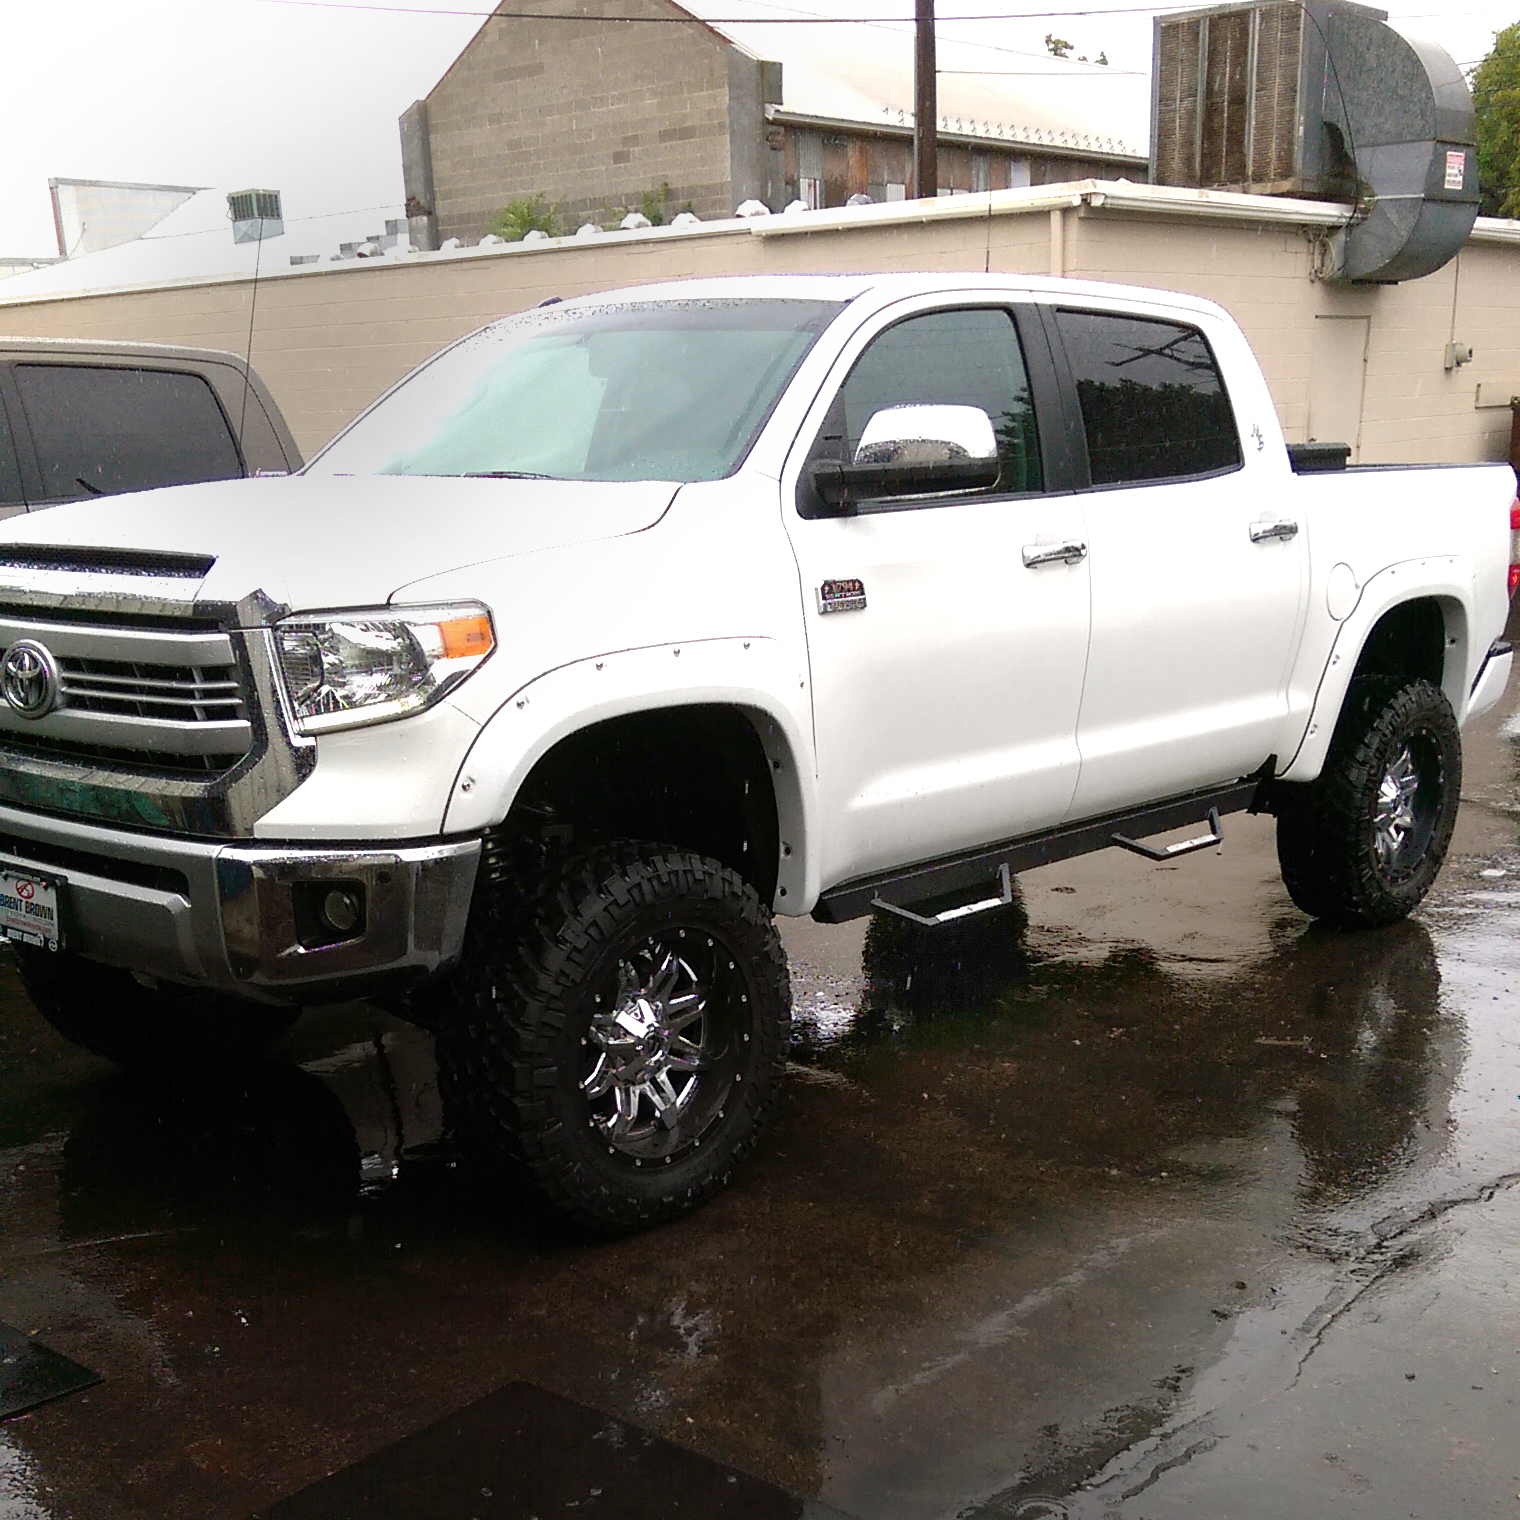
<point x="33" y="1374"/>
<point x="1139" y="1198"/>
<point x="524" y="1451"/>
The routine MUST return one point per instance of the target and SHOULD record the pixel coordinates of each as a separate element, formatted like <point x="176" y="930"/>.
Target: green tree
<point x="1496" y="94"/>
<point x="528" y="213"/>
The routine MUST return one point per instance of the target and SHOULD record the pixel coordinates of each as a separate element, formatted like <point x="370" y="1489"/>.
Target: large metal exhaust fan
<point x="1321" y="98"/>
<point x="1405" y="117"/>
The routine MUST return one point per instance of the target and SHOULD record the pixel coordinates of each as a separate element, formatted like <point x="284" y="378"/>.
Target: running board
<point x="940" y="891"/>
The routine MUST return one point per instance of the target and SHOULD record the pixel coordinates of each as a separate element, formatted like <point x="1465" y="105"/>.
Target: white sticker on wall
<point x="1456" y="171"/>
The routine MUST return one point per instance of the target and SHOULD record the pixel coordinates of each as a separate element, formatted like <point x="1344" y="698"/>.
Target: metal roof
<point x="861" y="72"/>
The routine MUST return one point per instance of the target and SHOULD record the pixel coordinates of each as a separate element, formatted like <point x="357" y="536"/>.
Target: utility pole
<point x="925" y="103"/>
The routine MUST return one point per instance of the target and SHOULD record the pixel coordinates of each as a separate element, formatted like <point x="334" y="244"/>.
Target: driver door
<point x="947" y="639"/>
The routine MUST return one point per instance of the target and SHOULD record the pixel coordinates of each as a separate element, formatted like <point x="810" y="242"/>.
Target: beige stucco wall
<point x="329" y="340"/>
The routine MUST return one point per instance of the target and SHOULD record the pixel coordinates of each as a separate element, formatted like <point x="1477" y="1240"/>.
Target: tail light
<point x="1514" y="548"/>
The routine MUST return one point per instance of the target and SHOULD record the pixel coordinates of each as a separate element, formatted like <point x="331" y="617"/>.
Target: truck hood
<point x="346" y="541"/>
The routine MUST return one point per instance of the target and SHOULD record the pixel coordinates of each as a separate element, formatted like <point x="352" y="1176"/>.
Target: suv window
<point x="100" y="430"/>
<point x="1154" y="406"/>
<point x="957" y="358"/>
<point x="10" y="475"/>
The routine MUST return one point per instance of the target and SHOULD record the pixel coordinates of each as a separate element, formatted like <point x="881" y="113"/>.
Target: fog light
<point x="342" y="911"/>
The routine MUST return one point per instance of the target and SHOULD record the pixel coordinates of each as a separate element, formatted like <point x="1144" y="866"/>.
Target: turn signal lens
<point x="466" y="637"/>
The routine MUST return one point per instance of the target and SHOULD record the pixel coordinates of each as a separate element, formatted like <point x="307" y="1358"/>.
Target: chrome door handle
<point x="1072" y="552"/>
<point x="1264" y="532"/>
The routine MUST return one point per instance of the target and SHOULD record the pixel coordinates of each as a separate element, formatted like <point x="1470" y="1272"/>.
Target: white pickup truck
<point x="626" y="623"/>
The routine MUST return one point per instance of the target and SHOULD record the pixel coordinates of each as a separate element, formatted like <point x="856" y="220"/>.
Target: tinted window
<point x="955" y="358"/>
<point x="99" y="431"/>
<point x="10" y="475"/>
<point x="1153" y="404"/>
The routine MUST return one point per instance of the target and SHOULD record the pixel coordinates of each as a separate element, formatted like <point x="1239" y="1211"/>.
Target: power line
<point x="794" y="20"/>
<point x="1100" y="71"/>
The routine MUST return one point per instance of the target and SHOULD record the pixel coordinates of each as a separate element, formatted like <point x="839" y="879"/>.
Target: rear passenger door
<point x="98" y="430"/>
<point x="1198" y="571"/>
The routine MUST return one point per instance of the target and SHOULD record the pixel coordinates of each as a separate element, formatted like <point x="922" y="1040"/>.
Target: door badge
<point x="841" y="596"/>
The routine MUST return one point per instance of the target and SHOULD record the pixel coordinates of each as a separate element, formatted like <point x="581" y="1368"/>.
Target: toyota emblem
<point x="29" y="678"/>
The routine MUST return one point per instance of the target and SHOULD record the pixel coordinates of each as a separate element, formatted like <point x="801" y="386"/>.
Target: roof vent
<point x="1322" y="99"/>
<point x="255" y="215"/>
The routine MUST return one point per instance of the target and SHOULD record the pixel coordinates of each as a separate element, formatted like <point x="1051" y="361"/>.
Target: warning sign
<point x="1456" y="171"/>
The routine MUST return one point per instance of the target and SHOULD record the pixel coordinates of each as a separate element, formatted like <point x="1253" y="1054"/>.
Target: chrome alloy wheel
<point x="661" y="1049"/>
<point x="1395" y="818"/>
<point x="1408" y="804"/>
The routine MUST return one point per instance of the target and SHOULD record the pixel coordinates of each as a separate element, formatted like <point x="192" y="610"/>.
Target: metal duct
<point x="1404" y="117"/>
<point x="1321" y="98"/>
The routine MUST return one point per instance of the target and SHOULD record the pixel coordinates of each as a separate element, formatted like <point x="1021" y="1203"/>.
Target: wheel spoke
<point x="685" y="1010"/>
<point x="626" y="1103"/>
<point x="663" y="982"/>
<point x="600" y="1079"/>
<point x="684" y="1056"/>
<point x="665" y="1100"/>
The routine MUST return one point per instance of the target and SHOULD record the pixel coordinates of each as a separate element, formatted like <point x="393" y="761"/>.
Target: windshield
<point x="655" y="390"/>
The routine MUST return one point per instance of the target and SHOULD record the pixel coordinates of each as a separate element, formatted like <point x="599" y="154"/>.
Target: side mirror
<point x="914" y="451"/>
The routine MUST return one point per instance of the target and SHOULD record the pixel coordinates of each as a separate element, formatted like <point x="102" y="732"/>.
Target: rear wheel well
<point x="696" y="777"/>
<point x="1408" y="642"/>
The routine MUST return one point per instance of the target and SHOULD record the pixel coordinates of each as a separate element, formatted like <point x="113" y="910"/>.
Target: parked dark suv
<point x="80" y="419"/>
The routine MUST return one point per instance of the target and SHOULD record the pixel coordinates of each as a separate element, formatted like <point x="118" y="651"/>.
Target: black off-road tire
<point x="536" y="1065"/>
<point x="107" y="1010"/>
<point x="1362" y="844"/>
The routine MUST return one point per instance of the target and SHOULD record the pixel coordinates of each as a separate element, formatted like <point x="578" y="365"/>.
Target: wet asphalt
<point x="1143" y="1198"/>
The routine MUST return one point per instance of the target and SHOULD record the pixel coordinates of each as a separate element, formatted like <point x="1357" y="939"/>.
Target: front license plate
<point x="29" y="907"/>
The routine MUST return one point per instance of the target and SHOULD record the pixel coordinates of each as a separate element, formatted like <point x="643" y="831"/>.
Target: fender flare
<point x="1389" y="589"/>
<point x="771" y="691"/>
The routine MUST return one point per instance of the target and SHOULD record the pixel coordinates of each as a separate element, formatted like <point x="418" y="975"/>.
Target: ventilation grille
<point x="1227" y="99"/>
<point x="254" y="205"/>
<point x="1179" y="55"/>
<point x="1275" y="99"/>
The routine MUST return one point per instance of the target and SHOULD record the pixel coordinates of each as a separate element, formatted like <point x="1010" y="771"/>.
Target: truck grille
<point x="142" y="704"/>
<point x="143" y="700"/>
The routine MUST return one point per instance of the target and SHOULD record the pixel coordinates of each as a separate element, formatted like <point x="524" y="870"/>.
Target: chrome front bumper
<point x="231" y="916"/>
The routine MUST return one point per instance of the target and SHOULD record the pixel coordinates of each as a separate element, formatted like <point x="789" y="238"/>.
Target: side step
<point x="1207" y="841"/>
<point x="940" y="891"/>
<point x="945" y="910"/>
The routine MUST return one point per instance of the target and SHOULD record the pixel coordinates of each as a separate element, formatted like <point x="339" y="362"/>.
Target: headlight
<point x="342" y="669"/>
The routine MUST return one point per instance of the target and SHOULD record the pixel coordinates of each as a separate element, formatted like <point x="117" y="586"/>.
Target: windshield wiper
<point x="89" y="486"/>
<point x="508" y="475"/>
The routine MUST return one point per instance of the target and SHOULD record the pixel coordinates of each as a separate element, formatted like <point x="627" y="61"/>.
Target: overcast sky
<point x="303" y="98"/>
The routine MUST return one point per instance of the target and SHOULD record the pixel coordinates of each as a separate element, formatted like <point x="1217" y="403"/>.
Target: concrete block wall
<point x="330" y="339"/>
<point x="590" y="114"/>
